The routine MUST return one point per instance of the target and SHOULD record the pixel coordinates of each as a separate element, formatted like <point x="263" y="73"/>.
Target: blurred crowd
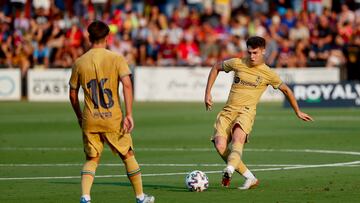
<point x="299" y="33"/>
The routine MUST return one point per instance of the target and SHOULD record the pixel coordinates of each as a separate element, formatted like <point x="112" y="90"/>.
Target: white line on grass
<point x="318" y="118"/>
<point x="183" y="173"/>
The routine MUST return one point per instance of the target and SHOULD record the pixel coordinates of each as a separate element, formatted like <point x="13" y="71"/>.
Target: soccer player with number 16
<point x="99" y="72"/>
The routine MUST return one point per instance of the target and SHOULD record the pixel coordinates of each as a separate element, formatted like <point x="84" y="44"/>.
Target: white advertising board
<point x="49" y="85"/>
<point x="188" y="84"/>
<point x="10" y="84"/>
<point x="178" y="84"/>
<point x="52" y="85"/>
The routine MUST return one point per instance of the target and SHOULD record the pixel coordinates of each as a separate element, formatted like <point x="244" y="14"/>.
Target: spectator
<point x="346" y="15"/>
<point x="286" y="55"/>
<point x="195" y="5"/>
<point x="42" y="7"/>
<point x="22" y="53"/>
<point x="315" y="6"/>
<point x="299" y="32"/>
<point x="209" y="50"/>
<point x="22" y="23"/>
<point x="41" y="56"/>
<point x="17" y="6"/>
<point x="188" y="51"/>
<point x="352" y="54"/>
<point x="258" y="6"/>
<point x="271" y="51"/>
<point x="167" y="53"/>
<point x="301" y="52"/>
<point x="210" y="17"/>
<point x="175" y="33"/>
<point x="99" y="6"/>
<point x="74" y="39"/>
<point x="6" y="51"/>
<point x="152" y="48"/>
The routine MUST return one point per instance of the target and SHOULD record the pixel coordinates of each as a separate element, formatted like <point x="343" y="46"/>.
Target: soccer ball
<point x="197" y="181"/>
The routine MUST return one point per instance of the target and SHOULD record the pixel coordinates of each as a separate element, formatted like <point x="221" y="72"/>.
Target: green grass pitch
<point x="41" y="155"/>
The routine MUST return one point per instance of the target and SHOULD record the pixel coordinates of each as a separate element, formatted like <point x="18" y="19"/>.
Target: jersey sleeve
<point x="122" y="67"/>
<point x="74" y="78"/>
<point x="231" y="64"/>
<point x="275" y="80"/>
<point x="228" y="65"/>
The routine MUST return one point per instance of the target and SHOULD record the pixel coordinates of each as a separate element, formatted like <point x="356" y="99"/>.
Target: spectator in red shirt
<point x="166" y="54"/>
<point x="188" y="51"/>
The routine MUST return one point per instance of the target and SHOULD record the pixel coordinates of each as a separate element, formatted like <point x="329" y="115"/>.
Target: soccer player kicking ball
<point x="235" y="121"/>
<point x="99" y="72"/>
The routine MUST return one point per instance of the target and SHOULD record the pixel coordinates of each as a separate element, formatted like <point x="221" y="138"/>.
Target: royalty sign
<point x="326" y="95"/>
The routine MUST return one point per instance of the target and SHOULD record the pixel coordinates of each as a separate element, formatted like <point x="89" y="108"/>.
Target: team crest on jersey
<point x="257" y="82"/>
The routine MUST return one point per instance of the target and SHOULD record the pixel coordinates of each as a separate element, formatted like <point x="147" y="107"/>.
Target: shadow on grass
<point x="128" y="184"/>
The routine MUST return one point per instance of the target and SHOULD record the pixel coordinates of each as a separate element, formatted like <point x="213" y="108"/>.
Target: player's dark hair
<point x="255" y="42"/>
<point x="98" y="30"/>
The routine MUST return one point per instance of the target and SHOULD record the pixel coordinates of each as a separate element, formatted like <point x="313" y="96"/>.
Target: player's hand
<point x="208" y="102"/>
<point x="128" y="123"/>
<point x="303" y="116"/>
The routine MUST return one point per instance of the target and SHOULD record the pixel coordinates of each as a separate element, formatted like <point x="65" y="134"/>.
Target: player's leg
<point x="134" y="175"/>
<point x="234" y="158"/>
<point x="223" y="150"/>
<point x="93" y="146"/>
<point x="121" y="144"/>
<point x="221" y="146"/>
<point x="87" y="177"/>
<point x="238" y="145"/>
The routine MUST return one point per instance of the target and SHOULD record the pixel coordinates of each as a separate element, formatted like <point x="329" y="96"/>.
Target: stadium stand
<point x="44" y="34"/>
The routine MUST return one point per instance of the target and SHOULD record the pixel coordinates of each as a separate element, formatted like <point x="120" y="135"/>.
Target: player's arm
<point x="128" y="122"/>
<point x="291" y="98"/>
<point x="211" y="79"/>
<point x="74" y="100"/>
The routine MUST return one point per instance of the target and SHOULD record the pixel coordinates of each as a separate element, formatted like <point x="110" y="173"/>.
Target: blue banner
<point x="326" y="95"/>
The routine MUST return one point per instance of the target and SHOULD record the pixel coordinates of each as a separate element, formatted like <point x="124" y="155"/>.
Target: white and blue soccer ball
<point x="197" y="181"/>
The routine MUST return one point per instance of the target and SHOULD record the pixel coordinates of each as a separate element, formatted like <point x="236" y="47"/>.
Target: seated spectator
<point x="42" y="7"/>
<point x="352" y="54"/>
<point x="6" y="51"/>
<point x="258" y="6"/>
<point x="56" y="40"/>
<point x="209" y="16"/>
<point x="188" y="52"/>
<point x="286" y="55"/>
<point x="271" y="51"/>
<point x="99" y="6"/>
<point x="17" y="6"/>
<point x="152" y="48"/>
<point x="209" y="50"/>
<point x="21" y="57"/>
<point x="22" y="23"/>
<point x="122" y="46"/>
<point x="41" y="56"/>
<point x="301" y="52"/>
<point x="346" y="15"/>
<point x="167" y="53"/>
<point x="299" y="32"/>
<point x="175" y="33"/>
<point x="73" y="42"/>
<point x="336" y="57"/>
<point x="315" y="6"/>
<point x="289" y="19"/>
<point x="345" y="30"/>
<point x="319" y="54"/>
